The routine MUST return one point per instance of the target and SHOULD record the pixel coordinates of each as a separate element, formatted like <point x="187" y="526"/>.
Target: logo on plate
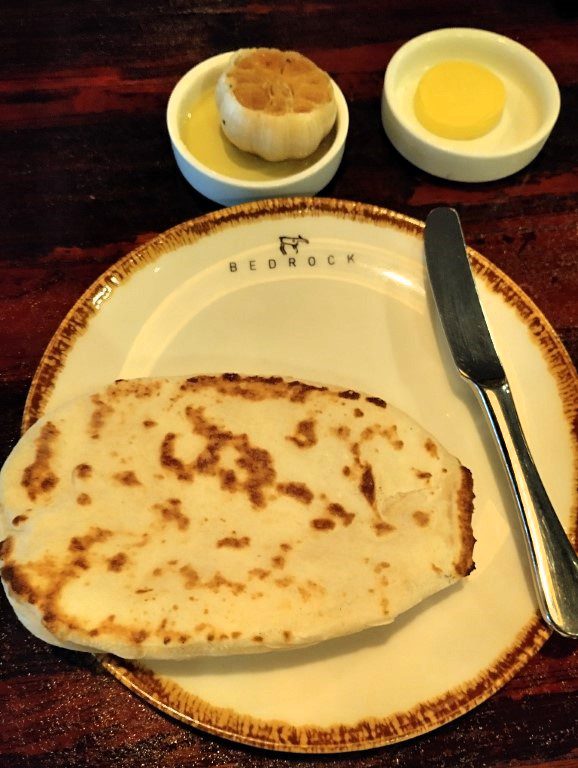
<point x="289" y="246"/>
<point x="291" y="241"/>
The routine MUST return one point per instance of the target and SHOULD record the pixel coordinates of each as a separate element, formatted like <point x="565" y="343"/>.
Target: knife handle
<point x="552" y="557"/>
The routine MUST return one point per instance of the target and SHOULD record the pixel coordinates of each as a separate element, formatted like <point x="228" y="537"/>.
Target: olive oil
<point x="202" y="134"/>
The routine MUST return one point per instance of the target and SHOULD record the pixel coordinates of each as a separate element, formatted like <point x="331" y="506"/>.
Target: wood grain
<point x="88" y="174"/>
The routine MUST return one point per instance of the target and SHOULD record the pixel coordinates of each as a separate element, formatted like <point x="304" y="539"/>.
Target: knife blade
<point x="553" y="561"/>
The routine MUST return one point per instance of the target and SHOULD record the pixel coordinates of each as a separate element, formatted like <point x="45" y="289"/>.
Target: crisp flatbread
<point x="168" y="518"/>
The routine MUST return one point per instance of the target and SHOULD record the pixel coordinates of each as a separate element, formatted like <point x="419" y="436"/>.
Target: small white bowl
<point x="228" y="190"/>
<point x="530" y="112"/>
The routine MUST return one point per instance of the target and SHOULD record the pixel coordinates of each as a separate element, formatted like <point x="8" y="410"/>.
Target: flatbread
<point x="168" y="518"/>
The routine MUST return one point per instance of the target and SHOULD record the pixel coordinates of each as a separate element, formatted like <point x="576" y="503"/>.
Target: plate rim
<point x="371" y="733"/>
<point x="279" y="736"/>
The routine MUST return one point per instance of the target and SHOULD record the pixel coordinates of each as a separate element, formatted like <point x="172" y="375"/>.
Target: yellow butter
<point x="459" y="100"/>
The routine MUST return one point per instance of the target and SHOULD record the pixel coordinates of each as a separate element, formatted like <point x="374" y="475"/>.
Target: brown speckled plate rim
<point x="166" y="695"/>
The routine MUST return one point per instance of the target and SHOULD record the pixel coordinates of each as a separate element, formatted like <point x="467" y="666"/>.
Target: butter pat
<point x="459" y="100"/>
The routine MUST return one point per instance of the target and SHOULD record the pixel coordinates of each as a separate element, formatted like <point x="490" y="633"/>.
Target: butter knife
<point x="553" y="561"/>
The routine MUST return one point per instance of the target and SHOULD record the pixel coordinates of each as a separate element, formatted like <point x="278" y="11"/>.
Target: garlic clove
<point x="276" y="104"/>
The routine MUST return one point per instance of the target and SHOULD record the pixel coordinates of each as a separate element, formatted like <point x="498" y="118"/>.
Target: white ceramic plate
<point x="346" y="304"/>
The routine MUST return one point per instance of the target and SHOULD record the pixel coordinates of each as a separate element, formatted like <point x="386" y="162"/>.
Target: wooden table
<point x="88" y="174"/>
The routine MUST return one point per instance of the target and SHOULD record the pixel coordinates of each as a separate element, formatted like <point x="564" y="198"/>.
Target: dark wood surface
<point x="87" y="174"/>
